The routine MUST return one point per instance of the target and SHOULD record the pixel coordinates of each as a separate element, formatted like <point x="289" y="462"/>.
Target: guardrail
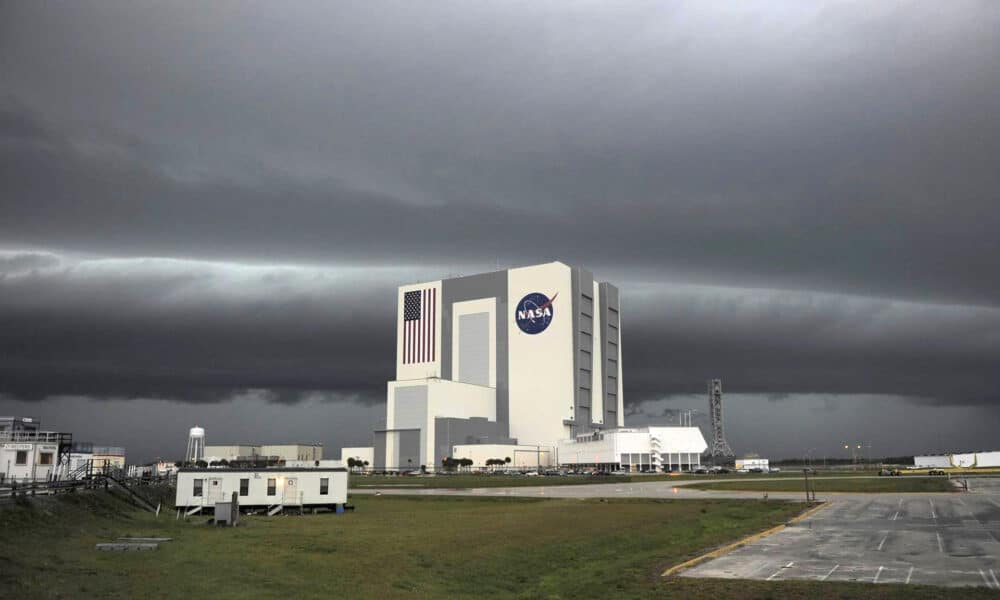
<point x="11" y="490"/>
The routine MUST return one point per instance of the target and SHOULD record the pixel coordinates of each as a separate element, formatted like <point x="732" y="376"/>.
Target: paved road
<point x="936" y="539"/>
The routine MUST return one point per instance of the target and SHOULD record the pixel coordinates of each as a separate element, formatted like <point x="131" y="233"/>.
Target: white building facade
<point x="635" y="449"/>
<point x="526" y="356"/>
<point x="962" y="460"/>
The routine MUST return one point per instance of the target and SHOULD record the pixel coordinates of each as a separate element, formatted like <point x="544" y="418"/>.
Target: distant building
<point x="19" y="424"/>
<point x="960" y="460"/>
<point x="635" y="449"/>
<point x="265" y="452"/>
<point x="524" y="356"/>
<point x="364" y="454"/>
<point x="108" y="457"/>
<point x="29" y="454"/>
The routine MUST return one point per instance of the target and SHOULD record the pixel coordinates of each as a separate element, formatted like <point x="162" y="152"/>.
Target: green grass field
<point x="820" y="484"/>
<point x="396" y="547"/>
<point x="464" y="480"/>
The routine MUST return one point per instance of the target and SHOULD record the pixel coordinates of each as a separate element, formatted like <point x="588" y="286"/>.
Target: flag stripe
<point x="419" y="326"/>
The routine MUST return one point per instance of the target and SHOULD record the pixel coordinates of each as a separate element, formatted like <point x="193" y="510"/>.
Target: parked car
<point x="889" y="473"/>
<point x="775" y="470"/>
<point x="701" y="471"/>
<point x="935" y="472"/>
<point x="756" y="470"/>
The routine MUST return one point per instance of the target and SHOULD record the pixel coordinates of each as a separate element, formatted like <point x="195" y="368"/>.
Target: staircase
<point x="654" y="453"/>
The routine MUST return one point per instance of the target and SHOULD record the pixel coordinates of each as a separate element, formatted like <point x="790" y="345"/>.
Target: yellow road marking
<point x="752" y="538"/>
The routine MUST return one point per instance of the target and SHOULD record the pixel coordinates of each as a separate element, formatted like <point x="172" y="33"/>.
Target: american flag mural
<point x="419" y="317"/>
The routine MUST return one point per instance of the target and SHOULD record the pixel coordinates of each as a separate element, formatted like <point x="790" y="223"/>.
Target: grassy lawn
<point x="882" y="484"/>
<point x="473" y="481"/>
<point x="396" y="547"/>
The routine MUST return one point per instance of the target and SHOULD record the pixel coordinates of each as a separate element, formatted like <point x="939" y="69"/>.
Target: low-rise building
<point x="271" y="488"/>
<point x="31" y="455"/>
<point x="635" y="449"/>
<point x="958" y="460"/>
<point x="361" y="454"/>
<point x="272" y="452"/>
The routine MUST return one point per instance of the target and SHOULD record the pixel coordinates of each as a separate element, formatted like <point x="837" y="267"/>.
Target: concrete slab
<point x="944" y="540"/>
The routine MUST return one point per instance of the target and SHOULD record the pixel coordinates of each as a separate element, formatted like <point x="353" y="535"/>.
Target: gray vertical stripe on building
<point x="379" y="443"/>
<point x="583" y="347"/>
<point x="411" y="407"/>
<point x="610" y="322"/>
<point x="475" y="287"/>
<point x="409" y="450"/>
<point x="474" y="348"/>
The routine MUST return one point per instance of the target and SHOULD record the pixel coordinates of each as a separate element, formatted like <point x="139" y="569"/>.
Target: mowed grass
<point x="396" y="547"/>
<point x="469" y="480"/>
<point x="820" y="484"/>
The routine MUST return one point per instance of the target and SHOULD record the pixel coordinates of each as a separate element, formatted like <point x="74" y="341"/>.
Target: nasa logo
<point x="534" y="312"/>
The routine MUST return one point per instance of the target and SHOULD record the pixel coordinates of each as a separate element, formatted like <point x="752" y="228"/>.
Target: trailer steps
<point x="275" y="510"/>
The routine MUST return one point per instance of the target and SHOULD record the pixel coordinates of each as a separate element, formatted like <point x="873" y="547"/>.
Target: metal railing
<point x="50" y="437"/>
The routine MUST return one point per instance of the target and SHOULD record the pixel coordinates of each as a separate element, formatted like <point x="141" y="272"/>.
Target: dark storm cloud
<point x="199" y="331"/>
<point x="842" y="147"/>
<point x="799" y="198"/>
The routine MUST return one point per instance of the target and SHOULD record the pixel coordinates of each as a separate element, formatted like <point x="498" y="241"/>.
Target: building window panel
<point x="198" y="487"/>
<point x="324" y="486"/>
<point x="45" y="458"/>
<point x="21" y="458"/>
<point x="272" y="487"/>
<point x="244" y="487"/>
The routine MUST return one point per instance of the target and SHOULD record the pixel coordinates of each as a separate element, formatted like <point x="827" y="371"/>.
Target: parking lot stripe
<point x="830" y="572"/>
<point x="933" y="513"/>
<point x="880" y="569"/>
<point x="909" y="574"/>
<point x="940" y="544"/>
<point x="895" y="516"/>
<point x="882" y="543"/>
<point x="986" y="579"/>
<point x="994" y="576"/>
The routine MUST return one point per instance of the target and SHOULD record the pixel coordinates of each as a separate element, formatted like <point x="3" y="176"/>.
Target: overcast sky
<point x="206" y="209"/>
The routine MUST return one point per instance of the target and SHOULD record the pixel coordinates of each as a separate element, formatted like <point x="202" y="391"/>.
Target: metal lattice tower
<point x="719" y="447"/>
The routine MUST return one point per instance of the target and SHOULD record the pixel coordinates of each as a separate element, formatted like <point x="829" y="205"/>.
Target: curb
<point x="751" y="538"/>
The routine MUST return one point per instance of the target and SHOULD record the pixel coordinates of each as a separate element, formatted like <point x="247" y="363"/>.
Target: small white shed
<point x="270" y="488"/>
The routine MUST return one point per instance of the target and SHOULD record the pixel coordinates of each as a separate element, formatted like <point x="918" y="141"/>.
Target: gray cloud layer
<point x="799" y="198"/>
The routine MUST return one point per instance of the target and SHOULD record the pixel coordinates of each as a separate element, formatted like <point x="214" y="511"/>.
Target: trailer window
<point x="324" y="486"/>
<point x="244" y="487"/>
<point x="21" y="458"/>
<point x="198" y="483"/>
<point x="45" y="458"/>
<point x="271" y="487"/>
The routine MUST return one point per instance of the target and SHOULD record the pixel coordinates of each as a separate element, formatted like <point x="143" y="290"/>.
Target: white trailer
<point x="273" y="489"/>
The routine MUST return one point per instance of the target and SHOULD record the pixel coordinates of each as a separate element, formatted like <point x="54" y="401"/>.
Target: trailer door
<point x="292" y="491"/>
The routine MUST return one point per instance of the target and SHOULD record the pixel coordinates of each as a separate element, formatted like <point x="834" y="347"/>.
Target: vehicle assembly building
<point x="525" y="356"/>
<point x="508" y="364"/>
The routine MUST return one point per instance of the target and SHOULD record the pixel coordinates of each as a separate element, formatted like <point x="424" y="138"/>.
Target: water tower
<point x="196" y="445"/>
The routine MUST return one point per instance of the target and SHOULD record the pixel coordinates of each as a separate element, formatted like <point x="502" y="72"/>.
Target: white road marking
<point x="940" y="544"/>
<point x="994" y="576"/>
<point x="824" y="578"/>
<point x="909" y="574"/>
<point x="882" y="543"/>
<point x="880" y="569"/>
<point x="895" y="516"/>
<point x="933" y="514"/>
<point x="778" y="572"/>
<point x="989" y="584"/>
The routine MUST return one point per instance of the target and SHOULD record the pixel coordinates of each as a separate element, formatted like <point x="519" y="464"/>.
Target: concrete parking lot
<point x="934" y="539"/>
